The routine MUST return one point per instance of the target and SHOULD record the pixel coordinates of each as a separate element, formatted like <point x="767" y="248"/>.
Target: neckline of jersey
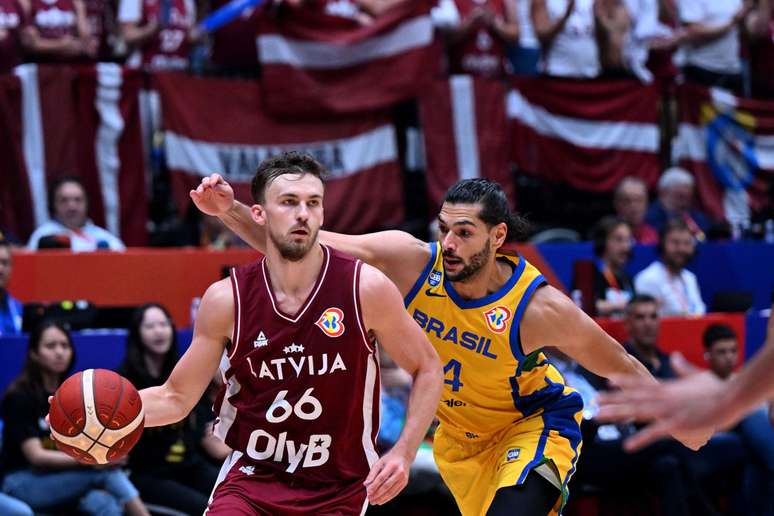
<point x="461" y="302"/>
<point x="308" y="302"/>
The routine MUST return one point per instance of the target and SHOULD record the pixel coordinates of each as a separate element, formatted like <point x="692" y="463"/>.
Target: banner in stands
<point x="322" y="57"/>
<point x="67" y="120"/>
<point x="465" y="133"/>
<point x="219" y="125"/>
<point x="589" y="134"/>
<point x="728" y="144"/>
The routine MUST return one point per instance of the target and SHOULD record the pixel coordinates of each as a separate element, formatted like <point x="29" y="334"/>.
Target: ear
<point x="258" y="214"/>
<point x="499" y="233"/>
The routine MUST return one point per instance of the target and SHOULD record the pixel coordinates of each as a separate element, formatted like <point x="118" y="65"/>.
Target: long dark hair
<point x="31" y="376"/>
<point x="134" y="367"/>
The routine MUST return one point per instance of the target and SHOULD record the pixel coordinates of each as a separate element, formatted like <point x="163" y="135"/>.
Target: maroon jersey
<point x="10" y="25"/>
<point x="300" y="404"/>
<point x="54" y="18"/>
<point x="170" y="49"/>
<point x="481" y="52"/>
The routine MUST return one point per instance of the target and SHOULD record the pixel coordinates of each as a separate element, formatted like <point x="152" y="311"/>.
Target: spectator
<point x="57" y="30"/>
<point x="10" y="309"/>
<point x="630" y="200"/>
<point x="760" y="27"/>
<point x="613" y="24"/>
<point x="565" y="29"/>
<point x="101" y="20"/>
<point x="478" y="44"/>
<point x="675" y="288"/>
<point x="675" y="200"/>
<point x="710" y="41"/>
<point x="10" y="506"/>
<point x="233" y="48"/>
<point x="613" y="287"/>
<point x="70" y="227"/>
<point x="212" y="447"/>
<point x="647" y="34"/>
<point x="45" y="478"/>
<point x="525" y="56"/>
<point x="167" y="466"/>
<point x="159" y="32"/>
<point x="11" y="16"/>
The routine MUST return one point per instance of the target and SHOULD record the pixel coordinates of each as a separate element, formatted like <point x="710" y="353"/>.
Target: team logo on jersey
<point x="260" y="341"/>
<point x="248" y="470"/>
<point x="497" y="317"/>
<point x="513" y="454"/>
<point x="435" y="278"/>
<point x="330" y="322"/>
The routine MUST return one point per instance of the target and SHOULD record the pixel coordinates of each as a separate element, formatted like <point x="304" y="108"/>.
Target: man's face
<point x="466" y="240"/>
<point x="642" y="324"/>
<point x="292" y="213"/>
<point x="618" y="246"/>
<point x="631" y="203"/>
<point x="678" y="248"/>
<point x="5" y="266"/>
<point x="722" y="357"/>
<point x="678" y="198"/>
<point x="70" y="205"/>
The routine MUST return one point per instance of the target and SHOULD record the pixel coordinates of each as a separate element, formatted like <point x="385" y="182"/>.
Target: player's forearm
<point x="423" y="402"/>
<point x="238" y="220"/>
<point x="698" y="33"/>
<point x="162" y="406"/>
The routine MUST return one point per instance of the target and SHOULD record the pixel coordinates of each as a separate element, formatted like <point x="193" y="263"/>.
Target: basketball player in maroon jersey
<point x="295" y="336"/>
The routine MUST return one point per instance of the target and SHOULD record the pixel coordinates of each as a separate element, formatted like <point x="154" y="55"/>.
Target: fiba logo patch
<point x="435" y="278"/>
<point x="331" y="322"/>
<point x="497" y="318"/>
<point x="513" y="454"/>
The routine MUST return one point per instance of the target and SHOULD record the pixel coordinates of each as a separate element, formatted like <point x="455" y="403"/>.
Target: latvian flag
<point x="72" y="120"/>
<point x="727" y="142"/>
<point x="588" y="134"/>
<point x="319" y="58"/>
<point x="228" y="132"/>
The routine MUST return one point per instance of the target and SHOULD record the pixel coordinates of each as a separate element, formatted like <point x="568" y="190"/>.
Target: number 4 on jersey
<point x="455" y="368"/>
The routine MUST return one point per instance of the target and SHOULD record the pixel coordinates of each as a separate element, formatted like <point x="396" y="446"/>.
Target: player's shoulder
<point x="220" y="292"/>
<point x="548" y="302"/>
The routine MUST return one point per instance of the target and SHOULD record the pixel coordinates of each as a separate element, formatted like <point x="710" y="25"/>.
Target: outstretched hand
<point x="387" y="478"/>
<point x="214" y="196"/>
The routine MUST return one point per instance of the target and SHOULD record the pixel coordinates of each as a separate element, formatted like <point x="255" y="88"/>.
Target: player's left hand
<point x="388" y="477"/>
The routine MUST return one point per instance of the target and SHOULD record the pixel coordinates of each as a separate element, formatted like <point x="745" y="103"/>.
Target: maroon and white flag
<point x="465" y="132"/>
<point x="73" y="120"/>
<point x="220" y="125"/>
<point x="589" y="134"/>
<point x="727" y="142"/>
<point x="320" y="58"/>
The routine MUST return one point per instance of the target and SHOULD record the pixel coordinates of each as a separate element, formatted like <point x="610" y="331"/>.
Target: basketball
<point x="96" y="416"/>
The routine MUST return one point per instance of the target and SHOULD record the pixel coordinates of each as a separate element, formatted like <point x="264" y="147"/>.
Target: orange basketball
<point x="96" y="416"/>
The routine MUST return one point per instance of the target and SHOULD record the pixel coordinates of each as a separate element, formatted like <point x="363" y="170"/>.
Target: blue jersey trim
<point x="491" y="298"/>
<point x="515" y="337"/>
<point x="422" y="276"/>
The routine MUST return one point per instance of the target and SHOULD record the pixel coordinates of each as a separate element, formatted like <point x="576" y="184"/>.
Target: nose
<point x="448" y="242"/>
<point x="303" y="212"/>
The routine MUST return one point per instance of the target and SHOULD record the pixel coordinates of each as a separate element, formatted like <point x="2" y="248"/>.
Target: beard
<point x="470" y="269"/>
<point x="291" y="250"/>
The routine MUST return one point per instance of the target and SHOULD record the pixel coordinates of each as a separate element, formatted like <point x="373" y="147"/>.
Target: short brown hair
<point x="286" y="163"/>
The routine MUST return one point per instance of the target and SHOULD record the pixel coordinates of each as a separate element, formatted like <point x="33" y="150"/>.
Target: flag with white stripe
<point x="589" y="134"/>
<point x="727" y="142"/>
<point x="465" y="133"/>
<point x="230" y="133"/>
<point x="320" y="58"/>
<point x="73" y="120"/>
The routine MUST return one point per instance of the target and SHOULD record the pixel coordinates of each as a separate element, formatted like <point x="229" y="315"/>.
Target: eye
<point x="464" y="233"/>
<point x="314" y="203"/>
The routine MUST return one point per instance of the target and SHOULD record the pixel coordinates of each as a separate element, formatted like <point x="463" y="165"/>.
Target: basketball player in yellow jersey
<point x="509" y="436"/>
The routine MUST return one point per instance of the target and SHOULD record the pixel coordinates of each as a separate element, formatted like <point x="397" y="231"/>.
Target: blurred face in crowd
<point x="722" y="357"/>
<point x="466" y="240"/>
<point x="679" y="246"/>
<point x="677" y="198"/>
<point x="292" y="213"/>
<point x="70" y="205"/>
<point x="642" y="324"/>
<point x="631" y="202"/>
<point x="5" y="266"/>
<point x="618" y="246"/>
<point x="54" y="351"/>
<point x="156" y="331"/>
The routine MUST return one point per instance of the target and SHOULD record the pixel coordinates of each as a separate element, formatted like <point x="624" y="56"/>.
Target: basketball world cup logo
<point x="497" y="318"/>
<point x="330" y="322"/>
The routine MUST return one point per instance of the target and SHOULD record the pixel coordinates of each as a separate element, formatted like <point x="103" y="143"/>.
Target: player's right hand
<point x="214" y="196"/>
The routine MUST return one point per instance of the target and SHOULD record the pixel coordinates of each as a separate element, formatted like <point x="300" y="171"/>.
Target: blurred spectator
<point x="213" y="234"/>
<point x="159" y="32"/>
<point x="760" y="27"/>
<point x="57" y="30"/>
<point x="10" y="309"/>
<point x="710" y="41"/>
<point x="10" y="506"/>
<point x="613" y="287"/>
<point x="233" y="47"/>
<point x="612" y="30"/>
<point x="70" y="227"/>
<point x="212" y="447"/>
<point x="101" y="19"/>
<point x="630" y="200"/>
<point x="675" y="200"/>
<point x="674" y="287"/>
<point x="525" y="56"/>
<point x="647" y="34"/>
<point x="477" y="45"/>
<point x="45" y="478"/>
<point x="566" y="31"/>
<point x="642" y="326"/>
<point x="11" y="16"/>
<point x="167" y="466"/>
